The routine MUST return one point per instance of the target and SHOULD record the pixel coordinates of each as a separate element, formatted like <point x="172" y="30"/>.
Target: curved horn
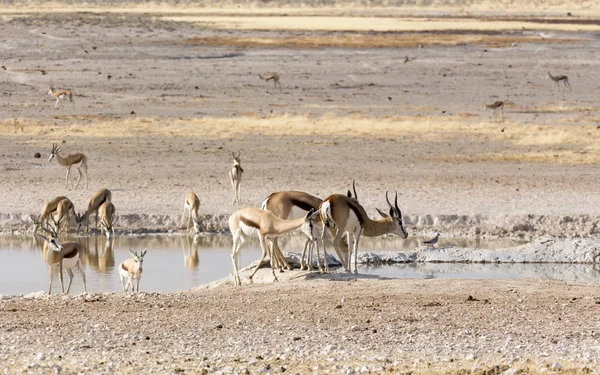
<point x="233" y="154"/>
<point x="388" y="199"/>
<point x="396" y="204"/>
<point x="354" y="188"/>
<point x="239" y="154"/>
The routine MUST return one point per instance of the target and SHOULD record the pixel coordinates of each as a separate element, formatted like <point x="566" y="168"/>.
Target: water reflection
<point x="164" y="270"/>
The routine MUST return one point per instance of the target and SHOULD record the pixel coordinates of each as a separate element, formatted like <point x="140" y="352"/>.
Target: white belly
<point x="247" y="230"/>
<point x="352" y="224"/>
<point x="296" y="213"/>
<point x="69" y="263"/>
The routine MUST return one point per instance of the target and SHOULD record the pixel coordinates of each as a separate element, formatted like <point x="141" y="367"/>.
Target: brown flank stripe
<point x="71" y="254"/>
<point x="249" y="223"/>
<point x="303" y="205"/>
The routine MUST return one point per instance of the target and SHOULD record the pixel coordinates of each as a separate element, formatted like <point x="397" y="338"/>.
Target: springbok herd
<point x="282" y="212"/>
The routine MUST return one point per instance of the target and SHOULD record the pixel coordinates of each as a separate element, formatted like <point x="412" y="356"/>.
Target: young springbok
<point x="68" y="161"/>
<point x="235" y="176"/>
<point x="191" y="205"/>
<point x="348" y="216"/>
<point x="108" y="218"/>
<point x="64" y="255"/>
<point x="131" y="269"/>
<point x="61" y="95"/>
<point x="47" y="209"/>
<point x="248" y="221"/>
<point x="557" y="79"/>
<point x="92" y="205"/>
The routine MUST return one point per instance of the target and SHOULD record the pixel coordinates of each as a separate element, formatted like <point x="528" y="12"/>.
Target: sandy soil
<point x="370" y="326"/>
<point x="343" y="114"/>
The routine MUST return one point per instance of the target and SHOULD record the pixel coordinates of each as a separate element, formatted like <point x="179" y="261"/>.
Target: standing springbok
<point x="64" y="210"/>
<point x="558" y="78"/>
<point x="92" y="205"/>
<point x="498" y="104"/>
<point x="248" y="221"/>
<point x="68" y="161"/>
<point x="271" y="77"/>
<point x="289" y="205"/>
<point x="235" y="176"/>
<point x="191" y="205"/>
<point x="348" y="216"/>
<point x="64" y="255"/>
<point x="131" y="269"/>
<point x="47" y="209"/>
<point x="61" y="95"/>
<point x="106" y="212"/>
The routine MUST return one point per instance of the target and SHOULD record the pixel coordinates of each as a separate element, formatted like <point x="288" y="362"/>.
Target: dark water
<point x="175" y="263"/>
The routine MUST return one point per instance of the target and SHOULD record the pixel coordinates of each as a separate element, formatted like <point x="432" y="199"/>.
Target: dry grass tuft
<point x="565" y="143"/>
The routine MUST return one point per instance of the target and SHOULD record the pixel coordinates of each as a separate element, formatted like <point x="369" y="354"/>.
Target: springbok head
<point x="51" y="236"/>
<point x="394" y="215"/>
<point x="236" y="159"/>
<point x="308" y="227"/>
<point x="139" y="259"/>
<point x="54" y="152"/>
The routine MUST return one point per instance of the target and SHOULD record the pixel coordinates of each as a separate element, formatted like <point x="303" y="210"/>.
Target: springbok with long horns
<point x="235" y="176"/>
<point x="62" y="255"/>
<point x="131" y="269"/>
<point x="248" y="221"/>
<point x="346" y="215"/>
<point x="68" y="161"/>
<point x="289" y="205"/>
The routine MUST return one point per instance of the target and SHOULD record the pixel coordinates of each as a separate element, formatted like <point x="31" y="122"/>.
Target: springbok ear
<point x="349" y="194"/>
<point x="392" y="211"/>
<point x="132" y="253"/>
<point x="41" y="237"/>
<point x="144" y="252"/>
<point x="383" y="214"/>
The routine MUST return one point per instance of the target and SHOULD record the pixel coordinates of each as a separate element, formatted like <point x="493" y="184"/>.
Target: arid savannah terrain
<point x="164" y="92"/>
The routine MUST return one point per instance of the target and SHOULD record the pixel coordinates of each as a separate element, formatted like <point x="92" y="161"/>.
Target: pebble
<point x="556" y="366"/>
<point x="510" y="371"/>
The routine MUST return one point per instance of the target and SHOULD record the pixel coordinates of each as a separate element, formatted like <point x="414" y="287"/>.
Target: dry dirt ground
<point x="163" y="98"/>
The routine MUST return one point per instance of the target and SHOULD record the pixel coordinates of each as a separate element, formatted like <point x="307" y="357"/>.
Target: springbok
<point x="191" y="205"/>
<point x="131" y="269"/>
<point x="64" y="210"/>
<point x="61" y="95"/>
<point x="92" y="205"/>
<point x="106" y="212"/>
<point x="235" y="176"/>
<point x="247" y="221"/>
<point x="271" y="77"/>
<point x="558" y="78"/>
<point x="64" y="255"/>
<point x="348" y="216"/>
<point x="68" y="161"/>
<point x="289" y="205"/>
<point x="47" y="209"/>
<point x="498" y="104"/>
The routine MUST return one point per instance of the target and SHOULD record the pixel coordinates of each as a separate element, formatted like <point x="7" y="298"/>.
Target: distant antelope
<point x="559" y="78"/>
<point x="271" y="76"/>
<point x="494" y="107"/>
<point x="248" y="221"/>
<point x="47" y="209"/>
<point x="346" y="215"/>
<point x="106" y="211"/>
<point x="61" y="95"/>
<point x="64" y="210"/>
<point x="68" y="161"/>
<point x="64" y="255"/>
<point x="92" y="205"/>
<point x="131" y="269"/>
<point x="235" y="176"/>
<point x="191" y="205"/>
